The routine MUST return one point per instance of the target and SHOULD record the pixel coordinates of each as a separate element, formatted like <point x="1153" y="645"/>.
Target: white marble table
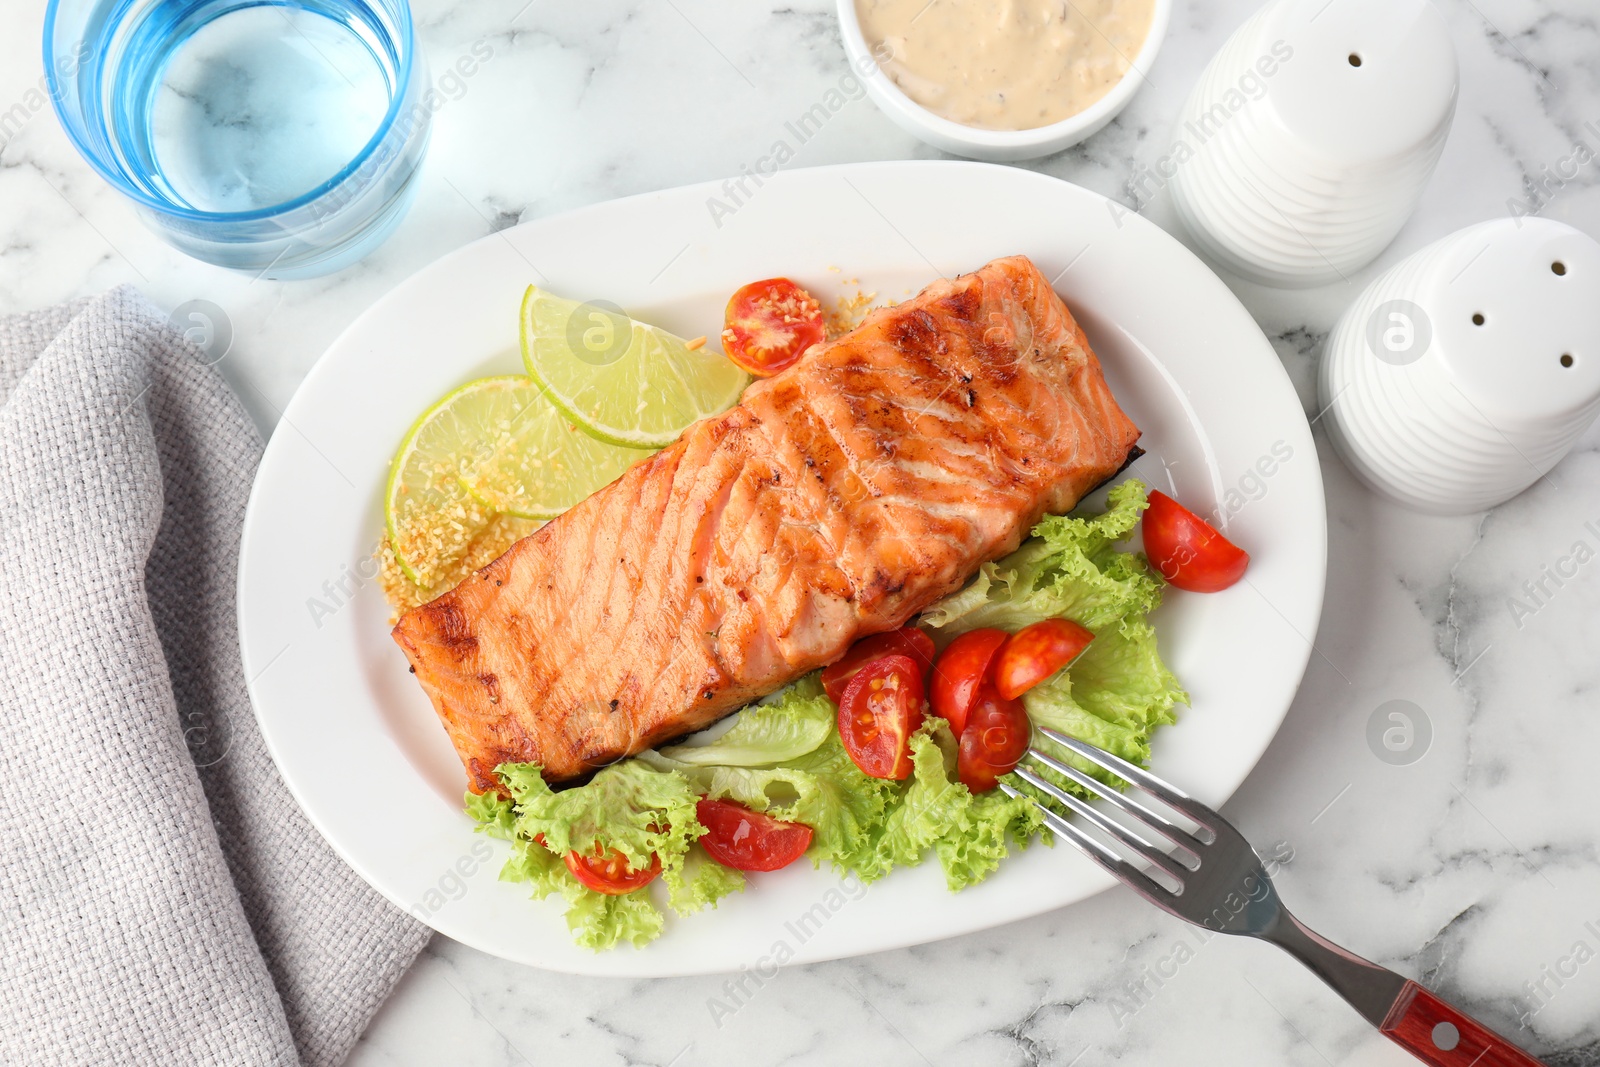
<point x="1476" y="867"/>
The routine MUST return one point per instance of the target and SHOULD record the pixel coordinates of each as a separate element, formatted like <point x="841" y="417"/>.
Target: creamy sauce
<point x="1005" y="64"/>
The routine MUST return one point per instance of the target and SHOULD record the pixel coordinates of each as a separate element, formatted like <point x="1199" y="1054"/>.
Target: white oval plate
<point x="357" y="742"/>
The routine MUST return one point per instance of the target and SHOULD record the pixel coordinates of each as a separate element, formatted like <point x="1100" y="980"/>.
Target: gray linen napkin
<point x="162" y="898"/>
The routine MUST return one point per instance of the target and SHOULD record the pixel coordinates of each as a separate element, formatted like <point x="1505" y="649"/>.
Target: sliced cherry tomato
<point x="960" y="671"/>
<point x="609" y="872"/>
<point x="1035" y="652"/>
<point x="770" y="324"/>
<point x="997" y="735"/>
<point x="906" y="641"/>
<point x="748" y="840"/>
<point x="882" y="705"/>
<point x="1187" y="550"/>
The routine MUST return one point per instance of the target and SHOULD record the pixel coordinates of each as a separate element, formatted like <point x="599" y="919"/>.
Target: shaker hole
<point x="1477" y="318"/>
<point x="1566" y="359"/>
<point x="1355" y="59"/>
<point x="1558" y="267"/>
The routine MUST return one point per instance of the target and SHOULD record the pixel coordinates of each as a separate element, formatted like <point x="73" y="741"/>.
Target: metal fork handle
<point x="1365" y="986"/>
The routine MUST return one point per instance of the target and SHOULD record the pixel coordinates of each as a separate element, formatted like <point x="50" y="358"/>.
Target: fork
<point x="1214" y="879"/>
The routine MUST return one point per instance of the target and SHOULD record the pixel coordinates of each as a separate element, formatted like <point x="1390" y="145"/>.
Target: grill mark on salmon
<point x="838" y="499"/>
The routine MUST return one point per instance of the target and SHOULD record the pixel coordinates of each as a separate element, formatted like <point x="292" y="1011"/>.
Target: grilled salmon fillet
<point x="837" y="500"/>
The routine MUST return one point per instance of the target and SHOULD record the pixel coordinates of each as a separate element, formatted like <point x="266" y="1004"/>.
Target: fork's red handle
<point x="1442" y="1036"/>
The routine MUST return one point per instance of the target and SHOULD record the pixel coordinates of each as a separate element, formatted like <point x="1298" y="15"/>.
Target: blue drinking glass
<point x="278" y="137"/>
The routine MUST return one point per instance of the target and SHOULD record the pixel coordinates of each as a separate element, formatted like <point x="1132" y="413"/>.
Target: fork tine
<point x="1120" y="868"/>
<point x="1125" y="804"/>
<point x="1110" y="827"/>
<point x="1170" y="795"/>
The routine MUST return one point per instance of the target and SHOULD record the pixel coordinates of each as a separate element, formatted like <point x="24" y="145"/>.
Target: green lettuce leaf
<point x="768" y="733"/>
<point x="542" y="870"/>
<point x="1121" y="678"/>
<point x="842" y="805"/>
<point x="1067" y="569"/>
<point x="968" y="833"/>
<point x="641" y="811"/>
<point x="635" y="809"/>
<point x="600" y="921"/>
<point x="702" y="882"/>
<point x="494" y="813"/>
<point x="823" y="789"/>
<point x="597" y="921"/>
<point x="1114" y="696"/>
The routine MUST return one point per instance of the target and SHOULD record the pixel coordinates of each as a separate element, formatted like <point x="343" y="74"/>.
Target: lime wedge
<point x="493" y="446"/>
<point x="622" y="381"/>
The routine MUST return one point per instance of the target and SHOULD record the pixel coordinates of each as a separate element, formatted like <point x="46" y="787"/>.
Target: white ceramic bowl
<point x="996" y="146"/>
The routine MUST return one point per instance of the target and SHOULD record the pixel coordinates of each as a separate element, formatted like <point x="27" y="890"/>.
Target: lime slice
<point x="494" y="445"/>
<point x="430" y="516"/>
<point x="622" y="381"/>
<point x="539" y="464"/>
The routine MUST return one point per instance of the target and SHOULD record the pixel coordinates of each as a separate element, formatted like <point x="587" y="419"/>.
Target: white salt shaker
<point x="1462" y="375"/>
<point x="1308" y="140"/>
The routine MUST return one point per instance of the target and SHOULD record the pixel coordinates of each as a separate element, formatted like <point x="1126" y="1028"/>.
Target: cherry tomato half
<point x="882" y="705"/>
<point x="748" y="840"/>
<point x="1187" y="550"/>
<point x="609" y="873"/>
<point x="906" y="641"/>
<point x="1035" y="652"/>
<point x="961" y="669"/>
<point x="996" y="737"/>
<point x="770" y="324"/>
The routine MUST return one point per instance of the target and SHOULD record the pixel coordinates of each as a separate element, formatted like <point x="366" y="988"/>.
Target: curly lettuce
<point x="1068" y="569"/>
<point x="969" y="833"/>
<point x="642" y="812"/>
